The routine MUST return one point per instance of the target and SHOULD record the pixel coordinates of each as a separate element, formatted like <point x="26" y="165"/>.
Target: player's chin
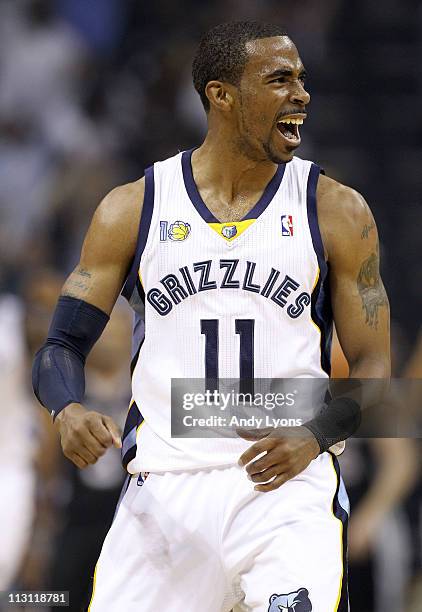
<point x="280" y="151"/>
<point x="289" y="154"/>
<point x="282" y="155"/>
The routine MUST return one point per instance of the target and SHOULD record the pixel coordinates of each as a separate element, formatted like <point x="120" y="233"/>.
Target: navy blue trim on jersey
<point x="322" y="316"/>
<point x="311" y="199"/>
<point x="133" y="420"/>
<point x="192" y="189"/>
<point x="134" y="359"/>
<point x="123" y="492"/>
<point x="140" y="289"/>
<point x="144" y="225"/>
<point x="321" y="312"/>
<point x="195" y="197"/>
<point x="341" y="514"/>
<point x="269" y="192"/>
<point x="138" y="336"/>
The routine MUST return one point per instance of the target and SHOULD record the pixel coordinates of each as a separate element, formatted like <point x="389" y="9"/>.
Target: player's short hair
<point x="221" y="54"/>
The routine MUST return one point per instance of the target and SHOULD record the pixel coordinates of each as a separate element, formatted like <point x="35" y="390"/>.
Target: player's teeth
<point x="298" y="121"/>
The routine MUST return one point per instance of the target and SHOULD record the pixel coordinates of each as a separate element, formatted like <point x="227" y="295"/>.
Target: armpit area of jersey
<point x="58" y="371"/>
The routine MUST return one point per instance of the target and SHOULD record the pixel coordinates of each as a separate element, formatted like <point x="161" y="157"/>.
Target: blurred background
<point x="91" y="93"/>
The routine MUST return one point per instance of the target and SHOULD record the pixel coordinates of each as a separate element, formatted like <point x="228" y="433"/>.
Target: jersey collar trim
<point x="195" y="197"/>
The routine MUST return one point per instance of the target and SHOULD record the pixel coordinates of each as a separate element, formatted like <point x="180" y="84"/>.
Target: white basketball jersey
<point x="244" y="299"/>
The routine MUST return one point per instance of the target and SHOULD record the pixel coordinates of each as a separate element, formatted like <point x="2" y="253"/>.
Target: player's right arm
<point x="86" y="301"/>
<point x="108" y="248"/>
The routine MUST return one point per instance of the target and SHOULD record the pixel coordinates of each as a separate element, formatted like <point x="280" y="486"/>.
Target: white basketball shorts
<point x="205" y="541"/>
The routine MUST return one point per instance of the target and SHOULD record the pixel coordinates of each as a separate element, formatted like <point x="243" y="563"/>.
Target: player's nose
<point x="299" y="95"/>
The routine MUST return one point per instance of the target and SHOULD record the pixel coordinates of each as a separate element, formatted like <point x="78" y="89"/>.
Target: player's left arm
<point x="361" y="313"/>
<point x="359" y="300"/>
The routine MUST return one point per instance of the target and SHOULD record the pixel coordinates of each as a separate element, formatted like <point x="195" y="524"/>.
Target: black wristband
<point x="336" y="422"/>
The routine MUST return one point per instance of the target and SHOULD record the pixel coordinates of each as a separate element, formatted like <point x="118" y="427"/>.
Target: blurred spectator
<point x="100" y="22"/>
<point x="413" y="372"/>
<point x="17" y="444"/>
<point x="42" y="62"/>
<point x="74" y="194"/>
<point x="380" y="475"/>
<point x="40" y="295"/>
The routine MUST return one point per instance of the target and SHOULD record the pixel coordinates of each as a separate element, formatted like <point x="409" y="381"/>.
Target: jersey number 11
<point x="245" y="329"/>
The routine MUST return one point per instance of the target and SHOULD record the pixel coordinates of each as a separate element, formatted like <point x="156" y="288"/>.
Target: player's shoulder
<point x="333" y="198"/>
<point x="336" y="199"/>
<point x="122" y="206"/>
<point x="125" y="196"/>
<point x="341" y="206"/>
<point x="343" y="217"/>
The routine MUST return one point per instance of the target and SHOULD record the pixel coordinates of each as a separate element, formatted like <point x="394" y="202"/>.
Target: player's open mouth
<point x="289" y="128"/>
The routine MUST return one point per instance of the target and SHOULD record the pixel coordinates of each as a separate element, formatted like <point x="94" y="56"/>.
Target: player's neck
<point x="219" y="163"/>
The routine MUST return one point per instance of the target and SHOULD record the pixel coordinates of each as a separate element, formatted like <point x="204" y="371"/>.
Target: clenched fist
<point x="85" y="435"/>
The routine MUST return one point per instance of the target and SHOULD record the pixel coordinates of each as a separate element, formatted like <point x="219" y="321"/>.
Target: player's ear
<point x="220" y="95"/>
<point x="273" y="597"/>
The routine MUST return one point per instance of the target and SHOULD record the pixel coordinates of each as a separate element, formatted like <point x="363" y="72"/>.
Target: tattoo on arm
<point x="366" y="229"/>
<point x="78" y="283"/>
<point x="83" y="272"/>
<point x="371" y="289"/>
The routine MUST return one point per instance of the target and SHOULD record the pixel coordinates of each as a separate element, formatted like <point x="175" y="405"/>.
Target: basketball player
<point x="242" y="253"/>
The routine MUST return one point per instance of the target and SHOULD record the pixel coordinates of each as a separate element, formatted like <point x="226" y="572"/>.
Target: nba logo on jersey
<point x="286" y="225"/>
<point x="229" y="231"/>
